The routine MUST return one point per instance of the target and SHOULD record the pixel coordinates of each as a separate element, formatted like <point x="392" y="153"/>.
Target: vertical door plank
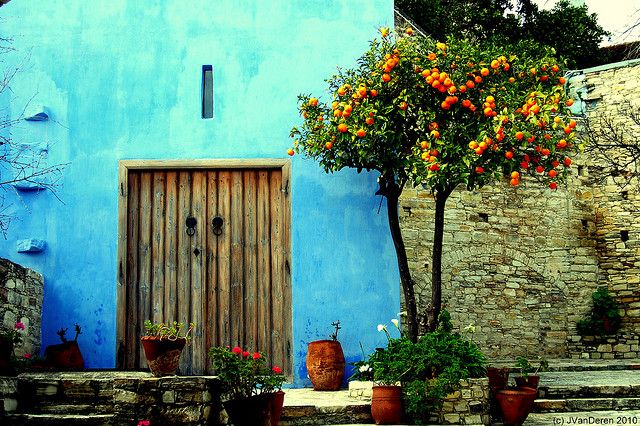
<point x="170" y="251"/>
<point x="263" y="251"/>
<point x="144" y="258"/>
<point x="250" y="260"/>
<point x="133" y="219"/>
<point x="184" y="258"/>
<point x="237" y="277"/>
<point x="121" y="292"/>
<point x="157" y="247"/>
<point x="287" y="320"/>
<point x="198" y="269"/>
<point x="277" y="268"/>
<point x="211" y="325"/>
<point x="224" y="259"/>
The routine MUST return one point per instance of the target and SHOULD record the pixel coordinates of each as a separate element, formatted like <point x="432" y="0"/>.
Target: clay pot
<point x="386" y="405"/>
<point x="163" y="355"/>
<point x="498" y="379"/>
<point x="277" y="402"/>
<point x="530" y="381"/>
<point x="325" y="365"/>
<point x="64" y="356"/>
<point x="516" y="404"/>
<point x="252" y="411"/>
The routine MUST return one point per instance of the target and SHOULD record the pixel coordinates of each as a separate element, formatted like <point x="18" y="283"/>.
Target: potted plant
<point x="604" y="318"/>
<point x="163" y="344"/>
<point x="65" y="355"/>
<point x="516" y="404"/>
<point x="252" y="392"/>
<point x="529" y="377"/>
<point x="325" y="362"/>
<point x="8" y="341"/>
<point x="389" y="366"/>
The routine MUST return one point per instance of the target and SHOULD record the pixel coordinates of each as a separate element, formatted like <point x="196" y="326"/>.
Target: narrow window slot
<point x="207" y="91"/>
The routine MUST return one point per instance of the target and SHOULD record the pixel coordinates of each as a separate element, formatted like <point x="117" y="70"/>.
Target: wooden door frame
<point x="124" y="166"/>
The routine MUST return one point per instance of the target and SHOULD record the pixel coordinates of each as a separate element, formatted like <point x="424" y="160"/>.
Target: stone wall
<point x="468" y="406"/>
<point x="521" y="263"/>
<point x="21" y="291"/>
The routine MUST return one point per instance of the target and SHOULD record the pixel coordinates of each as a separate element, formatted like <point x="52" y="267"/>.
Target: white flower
<point x="364" y="368"/>
<point x="381" y="327"/>
<point x="402" y="314"/>
<point x="471" y="328"/>
<point x="395" y="322"/>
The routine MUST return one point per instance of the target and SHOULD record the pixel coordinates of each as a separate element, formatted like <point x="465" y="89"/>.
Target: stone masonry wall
<point x="21" y="291"/>
<point x="521" y="263"/>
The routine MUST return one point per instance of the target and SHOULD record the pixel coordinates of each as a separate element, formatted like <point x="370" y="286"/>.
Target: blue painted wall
<point x="122" y="80"/>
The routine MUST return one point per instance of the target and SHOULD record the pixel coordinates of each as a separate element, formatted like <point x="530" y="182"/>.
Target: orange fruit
<point x="508" y="155"/>
<point x="555" y="68"/>
<point x="470" y="84"/>
<point x="342" y="128"/>
<point x="409" y="31"/>
<point x="434" y="167"/>
<point x="495" y="64"/>
<point x="514" y="182"/>
<point x="479" y="170"/>
<point x="342" y="91"/>
<point x="567" y="161"/>
<point x="484" y="72"/>
<point x="328" y="145"/>
<point x="290" y="152"/>
<point x="562" y="80"/>
<point x="519" y="135"/>
<point x="515" y="175"/>
<point x="403" y="105"/>
<point x="369" y="121"/>
<point x="466" y="103"/>
<point x="473" y="145"/>
<point x="553" y="186"/>
<point x="337" y="113"/>
<point x="361" y="133"/>
<point x="424" y="144"/>
<point x="313" y="102"/>
<point x="386" y="78"/>
<point x="490" y="99"/>
<point x="562" y="143"/>
<point x="445" y="105"/>
<point x="533" y="71"/>
<point x="435" y="134"/>
<point x="552" y="173"/>
<point x="506" y="67"/>
<point x="478" y="79"/>
<point x="479" y="151"/>
<point x="569" y="102"/>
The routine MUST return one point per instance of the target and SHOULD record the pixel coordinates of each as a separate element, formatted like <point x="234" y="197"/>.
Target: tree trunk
<point x="436" y="258"/>
<point x="392" y="192"/>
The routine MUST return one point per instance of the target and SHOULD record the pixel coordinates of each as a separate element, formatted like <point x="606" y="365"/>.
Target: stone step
<point x="571" y="365"/>
<point x="69" y="409"/>
<point x="586" y="404"/>
<point x="58" y="420"/>
<point x="304" y="407"/>
<point x="592" y="384"/>
<point x="594" y="391"/>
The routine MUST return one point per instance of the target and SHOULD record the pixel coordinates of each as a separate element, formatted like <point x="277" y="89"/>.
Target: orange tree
<point x="441" y="116"/>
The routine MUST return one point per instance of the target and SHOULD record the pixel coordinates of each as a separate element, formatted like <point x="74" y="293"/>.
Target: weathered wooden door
<point x="210" y="246"/>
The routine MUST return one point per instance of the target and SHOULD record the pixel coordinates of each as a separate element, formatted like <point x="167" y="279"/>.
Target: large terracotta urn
<point x="325" y="365"/>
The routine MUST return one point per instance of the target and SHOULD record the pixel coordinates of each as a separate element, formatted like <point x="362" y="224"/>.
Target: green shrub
<point x="604" y="318"/>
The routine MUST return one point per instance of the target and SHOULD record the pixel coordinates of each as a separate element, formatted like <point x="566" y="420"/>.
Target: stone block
<point x="169" y="397"/>
<point x="30" y="245"/>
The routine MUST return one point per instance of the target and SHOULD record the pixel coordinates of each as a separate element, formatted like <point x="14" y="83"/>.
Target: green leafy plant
<point x="428" y="370"/>
<point x="15" y="334"/>
<point x="527" y="368"/>
<point x="242" y="374"/>
<point x="363" y="370"/>
<point x="605" y="316"/>
<point x="170" y="331"/>
<point x="336" y="325"/>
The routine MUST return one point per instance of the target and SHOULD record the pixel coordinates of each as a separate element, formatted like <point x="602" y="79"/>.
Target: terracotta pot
<point x="386" y="405"/>
<point x="530" y="381"/>
<point x="6" y="349"/>
<point x="64" y="356"/>
<point x="325" y="365"/>
<point x="163" y="355"/>
<point x="516" y="404"/>
<point x="252" y="411"/>
<point x="277" y="402"/>
<point x="498" y="379"/>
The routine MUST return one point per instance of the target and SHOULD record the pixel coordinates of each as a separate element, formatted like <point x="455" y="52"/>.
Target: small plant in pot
<point x="65" y="355"/>
<point x="163" y="344"/>
<point x="604" y="319"/>
<point x="529" y="377"/>
<point x="325" y="362"/>
<point x="252" y="391"/>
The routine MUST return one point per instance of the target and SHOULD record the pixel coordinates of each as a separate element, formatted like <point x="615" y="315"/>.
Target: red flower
<point x="277" y="370"/>
<point x="237" y="350"/>
<point x="144" y="423"/>
<point x="256" y="355"/>
<point x="245" y="354"/>
<point x="19" y="325"/>
<point x="27" y="355"/>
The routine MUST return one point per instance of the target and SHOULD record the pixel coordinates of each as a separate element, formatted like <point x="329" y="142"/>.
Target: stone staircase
<point x="569" y="392"/>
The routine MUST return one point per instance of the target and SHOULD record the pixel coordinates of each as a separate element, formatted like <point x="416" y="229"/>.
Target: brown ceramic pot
<point x="498" y="379"/>
<point x="386" y="405"/>
<point x="163" y="355"/>
<point x="277" y="402"/>
<point x="325" y="365"/>
<point x="64" y="356"/>
<point x="252" y="411"/>
<point x="516" y="404"/>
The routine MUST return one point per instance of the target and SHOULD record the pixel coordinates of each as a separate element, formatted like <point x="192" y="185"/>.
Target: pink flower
<point x="245" y="354"/>
<point x="277" y="370"/>
<point x="237" y="350"/>
<point x="256" y="355"/>
<point x="19" y="325"/>
<point x="144" y="423"/>
<point x="27" y="355"/>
